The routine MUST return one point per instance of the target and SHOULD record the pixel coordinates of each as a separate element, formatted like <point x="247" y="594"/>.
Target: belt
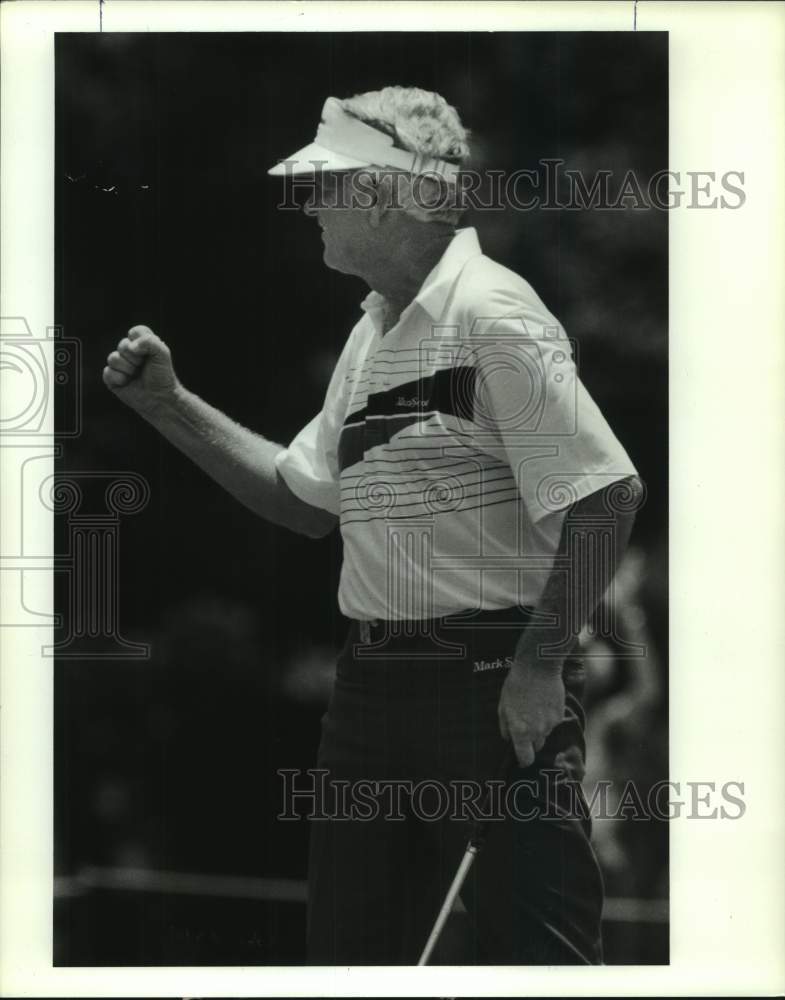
<point x="372" y="629"/>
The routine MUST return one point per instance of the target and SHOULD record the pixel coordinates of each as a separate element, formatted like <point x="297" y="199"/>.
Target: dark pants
<point x="411" y="710"/>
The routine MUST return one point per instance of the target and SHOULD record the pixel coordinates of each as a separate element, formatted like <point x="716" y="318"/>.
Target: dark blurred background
<point x="167" y="846"/>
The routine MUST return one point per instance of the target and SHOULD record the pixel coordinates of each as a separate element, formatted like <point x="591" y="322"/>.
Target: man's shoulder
<point x="359" y="336"/>
<point x="487" y="290"/>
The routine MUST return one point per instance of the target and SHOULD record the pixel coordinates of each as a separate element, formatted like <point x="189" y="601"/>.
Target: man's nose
<point x="313" y="202"/>
<point x="310" y="208"/>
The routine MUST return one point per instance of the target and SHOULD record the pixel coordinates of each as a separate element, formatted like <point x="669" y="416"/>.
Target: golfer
<point x="483" y="503"/>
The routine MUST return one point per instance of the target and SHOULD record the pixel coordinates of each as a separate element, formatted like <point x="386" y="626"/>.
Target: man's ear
<point x="375" y="214"/>
<point x="387" y="198"/>
<point x="364" y="194"/>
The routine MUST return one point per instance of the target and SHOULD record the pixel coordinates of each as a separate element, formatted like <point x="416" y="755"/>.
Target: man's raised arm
<point x="141" y="374"/>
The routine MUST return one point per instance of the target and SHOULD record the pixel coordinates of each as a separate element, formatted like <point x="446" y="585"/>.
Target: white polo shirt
<point x="451" y="446"/>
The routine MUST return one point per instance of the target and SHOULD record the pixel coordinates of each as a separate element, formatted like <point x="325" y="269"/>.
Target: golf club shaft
<point x="472" y="850"/>
<point x="449" y="900"/>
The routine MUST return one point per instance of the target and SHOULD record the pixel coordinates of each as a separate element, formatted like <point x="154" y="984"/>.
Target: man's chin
<point x="335" y="263"/>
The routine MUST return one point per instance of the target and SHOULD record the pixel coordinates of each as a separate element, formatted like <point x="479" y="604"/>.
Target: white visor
<point x="344" y="143"/>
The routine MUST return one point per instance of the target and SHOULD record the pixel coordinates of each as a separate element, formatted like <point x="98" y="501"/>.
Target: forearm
<point x="240" y="460"/>
<point x="595" y="535"/>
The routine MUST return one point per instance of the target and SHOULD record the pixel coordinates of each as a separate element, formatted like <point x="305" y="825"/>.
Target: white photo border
<point x="727" y="494"/>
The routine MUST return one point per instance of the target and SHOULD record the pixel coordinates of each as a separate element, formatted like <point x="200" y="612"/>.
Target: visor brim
<point x="313" y="159"/>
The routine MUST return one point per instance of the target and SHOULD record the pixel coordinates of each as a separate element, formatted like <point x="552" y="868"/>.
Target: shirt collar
<point x="433" y="293"/>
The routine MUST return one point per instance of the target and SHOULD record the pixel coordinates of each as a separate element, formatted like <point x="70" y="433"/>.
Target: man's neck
<point x="403" y="274"/>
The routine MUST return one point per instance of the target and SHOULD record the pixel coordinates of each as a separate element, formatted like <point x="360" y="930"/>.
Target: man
<point x="483" y="504"/>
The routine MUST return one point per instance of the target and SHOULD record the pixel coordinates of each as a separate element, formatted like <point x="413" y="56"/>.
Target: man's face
<point x="336" y="203"/>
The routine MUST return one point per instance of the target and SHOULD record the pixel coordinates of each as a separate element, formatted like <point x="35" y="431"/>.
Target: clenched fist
<point x="139" y="371"/>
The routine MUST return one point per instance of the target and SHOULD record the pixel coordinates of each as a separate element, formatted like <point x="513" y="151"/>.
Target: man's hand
<point x="531" y="704"/>
<point x="140" y="372"/>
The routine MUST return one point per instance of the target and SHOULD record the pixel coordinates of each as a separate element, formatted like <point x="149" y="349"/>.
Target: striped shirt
<point x="451" y="446"/>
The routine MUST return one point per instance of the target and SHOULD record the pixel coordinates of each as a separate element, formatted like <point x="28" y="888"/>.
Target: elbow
<point x="297" y="515"/>
<point x="319" y="524"/>
<point x="303" y="519"/>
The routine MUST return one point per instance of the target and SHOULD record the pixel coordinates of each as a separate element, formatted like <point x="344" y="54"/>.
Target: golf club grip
<point x="480" y="826"/>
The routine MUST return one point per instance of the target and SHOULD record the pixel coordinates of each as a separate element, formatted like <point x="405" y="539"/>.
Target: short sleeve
<point x="310" y="464"/>
<point x="309" y="467"/>
<point x="540" y="418"/>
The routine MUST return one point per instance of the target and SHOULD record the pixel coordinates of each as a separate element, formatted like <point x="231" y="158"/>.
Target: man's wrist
<point x="546" y="648"/>
<point x="161" y="407"/>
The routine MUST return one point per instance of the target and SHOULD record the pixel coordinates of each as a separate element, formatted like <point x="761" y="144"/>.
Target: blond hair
<point x="422" y="122"/>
